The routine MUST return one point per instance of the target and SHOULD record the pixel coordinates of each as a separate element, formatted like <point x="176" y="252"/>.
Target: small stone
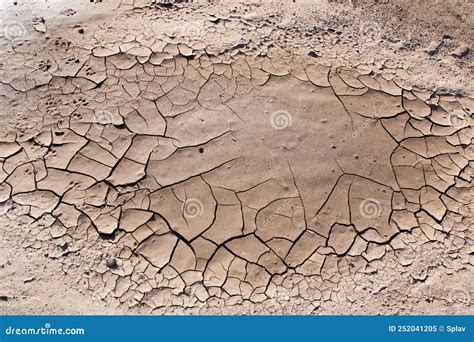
<point x="29" y="279"/>
<point x="461" y="52"/>
<point x="433" y="49"/>
<point x="39" y="25"/>
<point x="419" y="275"/>
<point x="111" y="263"/>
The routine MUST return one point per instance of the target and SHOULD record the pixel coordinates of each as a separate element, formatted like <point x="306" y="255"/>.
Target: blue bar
<point x="238" y="328"/>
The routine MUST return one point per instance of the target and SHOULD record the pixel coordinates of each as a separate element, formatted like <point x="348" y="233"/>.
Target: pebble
<point x="111" y="263"/>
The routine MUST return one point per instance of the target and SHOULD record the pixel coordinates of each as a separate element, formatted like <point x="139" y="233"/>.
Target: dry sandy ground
<point x="305" y="157"/>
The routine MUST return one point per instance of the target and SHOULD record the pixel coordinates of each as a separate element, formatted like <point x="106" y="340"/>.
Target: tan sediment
<point x="240" y="176"/>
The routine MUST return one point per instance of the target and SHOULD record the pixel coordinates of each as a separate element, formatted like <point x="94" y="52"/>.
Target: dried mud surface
<point x="222" y="158"/>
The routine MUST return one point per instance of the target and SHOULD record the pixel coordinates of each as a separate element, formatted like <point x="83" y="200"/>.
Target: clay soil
<point x="251" y="157"/>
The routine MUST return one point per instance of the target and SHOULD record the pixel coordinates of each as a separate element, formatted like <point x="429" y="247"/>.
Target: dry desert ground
<point x="236" y="157"/>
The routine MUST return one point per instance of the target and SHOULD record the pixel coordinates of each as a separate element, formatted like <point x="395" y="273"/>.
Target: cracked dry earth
<point x="152" y="174"/>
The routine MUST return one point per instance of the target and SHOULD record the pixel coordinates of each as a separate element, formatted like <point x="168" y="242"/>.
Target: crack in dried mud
<point x="230" y="176"/>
